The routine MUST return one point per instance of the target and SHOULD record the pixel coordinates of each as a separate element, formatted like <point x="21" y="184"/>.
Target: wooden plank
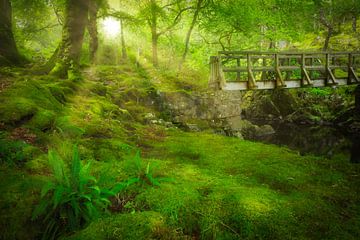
<point x="286" y="52"/>
<point x="245" y="69"/>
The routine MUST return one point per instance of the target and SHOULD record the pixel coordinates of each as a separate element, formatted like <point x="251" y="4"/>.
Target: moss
<point x="99" y="89"/>
<point x="142" y="225"/>
<point x="42" y="120"/>
<point x="15" y="110"/>
<point x="16" y="203"/>
<point x="38" y="164"/>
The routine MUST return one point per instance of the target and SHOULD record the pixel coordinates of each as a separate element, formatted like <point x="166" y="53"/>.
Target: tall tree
<point x="161" y="17"/>
<point x="68" y="53"/>
<point x="199" y="4"/>
<point x="8" y="49"/>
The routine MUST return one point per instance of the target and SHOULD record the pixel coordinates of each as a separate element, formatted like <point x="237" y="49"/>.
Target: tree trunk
<point x="154" y="41"/>
<point x="354" y="25"/>
<point x="123" y="46"/>
<point x="92" y="29"/>
<point x="327" y="39"/>
<point x="188" y="35"/>
<point x="68" y="56"/>
<point x="8" y="49"/>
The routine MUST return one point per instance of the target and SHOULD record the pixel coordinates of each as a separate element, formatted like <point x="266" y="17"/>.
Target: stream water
<point x="317" y="140"/>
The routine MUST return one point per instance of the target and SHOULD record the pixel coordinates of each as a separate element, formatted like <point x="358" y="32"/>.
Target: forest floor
<point x="204" y="186"/>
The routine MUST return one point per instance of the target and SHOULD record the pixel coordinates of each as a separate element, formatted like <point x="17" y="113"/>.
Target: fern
<point x="146" y="176"/>
<point x="72" y="198"/>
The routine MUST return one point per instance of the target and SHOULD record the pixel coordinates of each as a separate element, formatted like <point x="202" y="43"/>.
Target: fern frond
<point x="75" y="168"/>
<point x="57" y="165"/>
<point x="48" y="187"/>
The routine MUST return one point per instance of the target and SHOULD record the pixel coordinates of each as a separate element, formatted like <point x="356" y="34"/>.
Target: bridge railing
<point x="240" y="70"/>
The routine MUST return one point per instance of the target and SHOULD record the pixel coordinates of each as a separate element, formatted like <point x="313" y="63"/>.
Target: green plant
<point x="72" y="198"/>
<point x="145" y="175"/>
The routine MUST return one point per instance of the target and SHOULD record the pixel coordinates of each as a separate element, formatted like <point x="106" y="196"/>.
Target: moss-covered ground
<point x="210" y="186"/>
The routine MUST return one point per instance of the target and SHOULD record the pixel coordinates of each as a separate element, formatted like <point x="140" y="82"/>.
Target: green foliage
<point x="321" y="92"/>
<point x="71" y="199"/>
<point x="146" y="173"/>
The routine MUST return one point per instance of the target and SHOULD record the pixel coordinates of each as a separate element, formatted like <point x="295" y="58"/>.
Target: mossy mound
<point x="141" y="225"/>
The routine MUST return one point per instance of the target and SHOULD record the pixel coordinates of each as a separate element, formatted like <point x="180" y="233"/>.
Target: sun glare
<point x="111" y="26"/>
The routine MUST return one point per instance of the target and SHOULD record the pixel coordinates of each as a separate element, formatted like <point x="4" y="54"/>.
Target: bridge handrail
<point x="326" y="63"/>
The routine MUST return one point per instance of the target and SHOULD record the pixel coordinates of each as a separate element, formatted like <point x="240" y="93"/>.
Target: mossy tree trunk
<point x="92" y="28"/>
<point x="327" y="39"/>
<point x="68" y="55"/>
<point x="8" y="51"/>
<point x="123" y="45"/>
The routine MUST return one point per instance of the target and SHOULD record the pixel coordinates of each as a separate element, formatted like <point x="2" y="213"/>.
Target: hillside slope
<point x="194" y="185"/>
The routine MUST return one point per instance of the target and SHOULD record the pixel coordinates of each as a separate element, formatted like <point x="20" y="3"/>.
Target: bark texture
<point x="68" y="54"/>
<point x="92" y="28"/>
<point x="188" y="34"/>
<point x="8" y="50"/>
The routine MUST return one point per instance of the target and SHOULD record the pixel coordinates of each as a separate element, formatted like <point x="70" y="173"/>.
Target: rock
<point x="192" y="128"/>
<point x="264" y="130"/>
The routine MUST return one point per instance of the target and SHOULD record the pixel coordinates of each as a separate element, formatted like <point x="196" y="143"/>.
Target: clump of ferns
<point x="72" y="198"/>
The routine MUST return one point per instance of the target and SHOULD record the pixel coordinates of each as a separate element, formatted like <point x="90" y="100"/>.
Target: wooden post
<point x="288" y="73"/>
<point x="217" y="79"/>
<point x="351" y="71"/>
<point x="311" y="73"/>
<point x="279" y="78"/>
<point x="263" y="73"/>
<point x="304" y="73"/>
<point x="251" y="78"/>
<point x="238" y="65"/>
<point x="330" y="78"/>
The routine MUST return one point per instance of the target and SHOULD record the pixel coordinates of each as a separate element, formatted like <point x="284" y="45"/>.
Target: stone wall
<point x="218" y="110"/>
<point x="202" y="106"/>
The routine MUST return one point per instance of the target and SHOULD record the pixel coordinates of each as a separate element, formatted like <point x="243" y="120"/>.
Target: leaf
<point x="96" y="188"/>
<point x="153" y="180"/>
<point x="75" y="168"/>
<point x="57" y="165"/>
<point x="107" y="193"/>
<point x="119" y="187"/>
<point x="49" y="186"/>
<point x="86" y="196"/>
<point x="40" y="209"/>
<point x="58" y="195"/>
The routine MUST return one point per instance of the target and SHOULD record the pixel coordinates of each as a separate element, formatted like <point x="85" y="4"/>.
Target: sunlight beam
<point x="111" y="26"/>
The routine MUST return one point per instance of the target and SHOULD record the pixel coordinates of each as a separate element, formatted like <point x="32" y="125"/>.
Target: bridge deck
<point x="244" y="70"/>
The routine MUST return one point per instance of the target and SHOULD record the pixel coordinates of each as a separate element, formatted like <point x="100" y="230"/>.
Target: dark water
<point x="317" y="140"/>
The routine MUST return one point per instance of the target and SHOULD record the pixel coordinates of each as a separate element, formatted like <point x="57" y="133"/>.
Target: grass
<point x="212" y="187"/>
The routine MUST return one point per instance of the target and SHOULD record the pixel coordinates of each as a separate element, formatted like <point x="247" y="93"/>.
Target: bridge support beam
<point x="217" y="79"/>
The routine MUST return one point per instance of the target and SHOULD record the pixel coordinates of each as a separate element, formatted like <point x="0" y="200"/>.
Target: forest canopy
<point x="61" y="34"/>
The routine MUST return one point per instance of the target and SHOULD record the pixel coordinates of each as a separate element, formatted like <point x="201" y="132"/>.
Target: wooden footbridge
<point x="245" y="70"/>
